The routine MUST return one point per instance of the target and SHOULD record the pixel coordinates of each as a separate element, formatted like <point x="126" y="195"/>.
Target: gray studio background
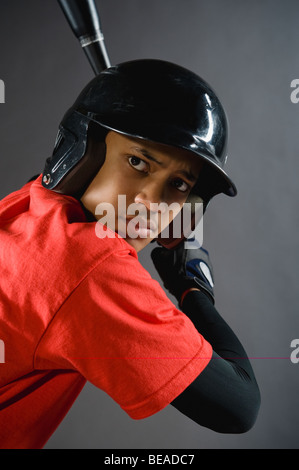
<point x="248" y="51"/>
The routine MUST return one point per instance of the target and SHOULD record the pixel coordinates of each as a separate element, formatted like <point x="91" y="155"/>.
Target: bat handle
<point x="95" y="50"/>
<point x="84" y="20"/>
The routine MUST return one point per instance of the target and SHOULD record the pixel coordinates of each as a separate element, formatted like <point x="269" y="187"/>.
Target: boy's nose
<point x="151" y="195"/>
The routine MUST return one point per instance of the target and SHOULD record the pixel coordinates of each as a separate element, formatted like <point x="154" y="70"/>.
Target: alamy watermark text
<point x="150" y="221"/>
<point x="2" y="91"/>
<point x="295" y="353"/>
<point x="295" y="93"/>
<point x="2" y="352"/>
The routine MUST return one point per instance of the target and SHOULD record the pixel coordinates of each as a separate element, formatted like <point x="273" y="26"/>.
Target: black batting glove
<point x="182" y="269"/>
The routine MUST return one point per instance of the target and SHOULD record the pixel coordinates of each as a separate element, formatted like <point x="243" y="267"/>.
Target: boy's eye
<point x="138" y="164"/>
<point x="180" y="185"/>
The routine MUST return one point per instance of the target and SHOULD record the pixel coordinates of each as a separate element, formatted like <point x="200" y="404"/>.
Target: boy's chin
<point x="138" y="243"/>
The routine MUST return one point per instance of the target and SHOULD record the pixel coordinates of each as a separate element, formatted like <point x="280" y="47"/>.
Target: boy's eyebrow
<point x="146" y="154"/>
<point x="188" y="174"/>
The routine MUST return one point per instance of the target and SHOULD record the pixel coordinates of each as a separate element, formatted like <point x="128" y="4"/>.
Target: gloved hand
<point x="182" y="269"/>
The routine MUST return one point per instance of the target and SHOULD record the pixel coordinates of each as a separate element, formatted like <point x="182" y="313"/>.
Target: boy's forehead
<point x="154" y="151"/>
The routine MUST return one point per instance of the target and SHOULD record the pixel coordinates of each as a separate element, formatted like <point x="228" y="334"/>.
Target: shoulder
<point x="55" y="247"/>
<point x="67" y="229"/>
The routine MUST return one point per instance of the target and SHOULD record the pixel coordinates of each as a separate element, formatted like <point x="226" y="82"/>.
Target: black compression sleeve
<point x="225" y="396"/>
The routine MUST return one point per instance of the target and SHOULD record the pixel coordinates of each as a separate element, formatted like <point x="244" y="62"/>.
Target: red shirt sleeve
<point x="122" y="333"/>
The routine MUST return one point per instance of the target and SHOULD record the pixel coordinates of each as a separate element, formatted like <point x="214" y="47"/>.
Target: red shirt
<point x="76" y="307"/>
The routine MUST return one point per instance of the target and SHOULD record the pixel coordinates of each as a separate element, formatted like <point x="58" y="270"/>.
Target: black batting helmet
<point x="147" y="99"/>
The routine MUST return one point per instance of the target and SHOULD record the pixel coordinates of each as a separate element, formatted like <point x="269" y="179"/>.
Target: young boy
<point x="75" y="303"/>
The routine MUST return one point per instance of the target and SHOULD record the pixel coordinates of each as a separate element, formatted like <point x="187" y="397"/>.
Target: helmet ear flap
<point x="74" y="162"/>
<point x="76" y="181"/>
<point x="65" y="143"/>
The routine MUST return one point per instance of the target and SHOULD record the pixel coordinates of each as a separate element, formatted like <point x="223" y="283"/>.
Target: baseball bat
<point x="84" y="20"/>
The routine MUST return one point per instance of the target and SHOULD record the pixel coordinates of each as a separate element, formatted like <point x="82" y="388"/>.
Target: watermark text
<point x="2" y="352"/>
<point x="138" y="221"/>
<point x="2" y="91"/>
<point x="295" y="93"/>
<point x="295" y="353"/>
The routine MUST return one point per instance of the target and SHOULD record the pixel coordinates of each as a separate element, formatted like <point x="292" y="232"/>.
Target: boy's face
<point x="144" y="174"/>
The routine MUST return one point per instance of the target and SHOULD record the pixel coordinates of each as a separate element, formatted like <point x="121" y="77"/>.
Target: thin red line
<point x="169" y="357"/>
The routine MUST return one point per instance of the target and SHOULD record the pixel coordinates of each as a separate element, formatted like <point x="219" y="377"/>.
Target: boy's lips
<point x="142" y="223"/>
<point x="137" y="226"/>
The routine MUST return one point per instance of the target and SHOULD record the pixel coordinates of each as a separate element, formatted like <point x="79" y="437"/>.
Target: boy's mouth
<point x="143" y="228"/>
